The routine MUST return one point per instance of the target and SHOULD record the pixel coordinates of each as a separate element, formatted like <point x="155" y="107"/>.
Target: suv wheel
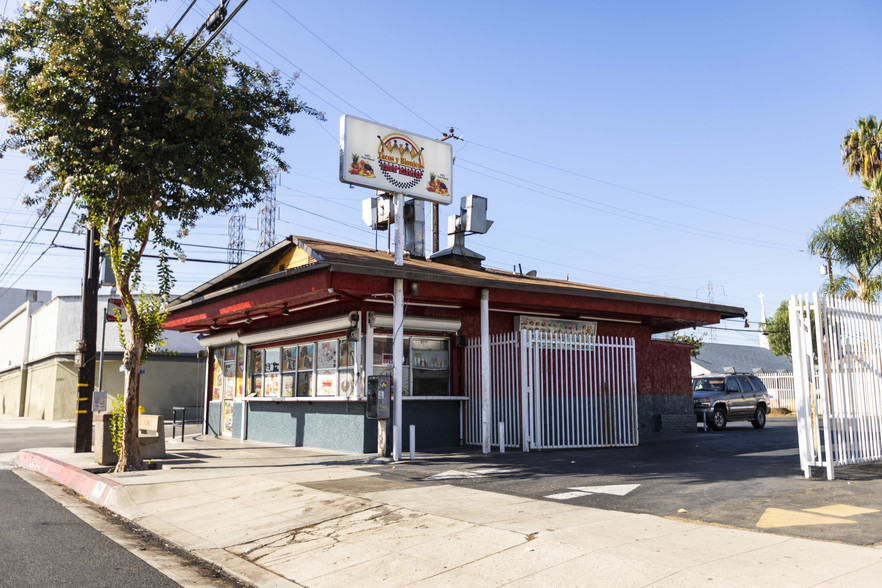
<point x="759" y="418"/>
<point x="719" y="422"/>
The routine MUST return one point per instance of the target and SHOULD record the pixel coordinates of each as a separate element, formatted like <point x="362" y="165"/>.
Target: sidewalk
<point x="285" y="516"/>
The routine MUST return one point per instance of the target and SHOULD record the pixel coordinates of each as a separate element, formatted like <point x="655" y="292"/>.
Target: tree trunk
<point x="130" y="453"/>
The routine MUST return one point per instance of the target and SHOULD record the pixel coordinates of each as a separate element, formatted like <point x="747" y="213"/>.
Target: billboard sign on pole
<point x="391" y="160"/>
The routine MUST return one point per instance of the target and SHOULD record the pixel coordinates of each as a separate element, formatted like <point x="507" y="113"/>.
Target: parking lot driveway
<point x="739" y="477"/>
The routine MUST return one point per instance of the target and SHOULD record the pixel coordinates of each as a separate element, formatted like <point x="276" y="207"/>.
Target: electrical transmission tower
<point x="237" y="239"/>
<point x="266" y="220"/>
<point x="709" y="290"/>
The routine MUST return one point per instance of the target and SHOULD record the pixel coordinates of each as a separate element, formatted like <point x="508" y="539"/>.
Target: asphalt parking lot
<point x="739" y="477"/>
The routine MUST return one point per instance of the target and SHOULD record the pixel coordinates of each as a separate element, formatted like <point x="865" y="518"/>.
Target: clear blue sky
<point x="677" y="148"/>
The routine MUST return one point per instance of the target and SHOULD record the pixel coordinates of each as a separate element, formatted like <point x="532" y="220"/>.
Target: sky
<point x="684" y="149"/>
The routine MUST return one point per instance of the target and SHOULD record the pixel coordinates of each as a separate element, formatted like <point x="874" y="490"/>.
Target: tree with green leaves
<point x="853" y="240"/>
<point x="144" y="134"/>
<point x="694" y="340"/>
<point x="862" y="154"/>
<point x="777" y="330"/>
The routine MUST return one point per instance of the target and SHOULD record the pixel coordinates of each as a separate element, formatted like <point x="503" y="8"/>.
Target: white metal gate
<point x="838" y="381"/>
<point x="554" y="391"/>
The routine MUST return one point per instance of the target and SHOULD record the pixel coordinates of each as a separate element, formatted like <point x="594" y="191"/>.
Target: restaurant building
<point x="295" y="333"/>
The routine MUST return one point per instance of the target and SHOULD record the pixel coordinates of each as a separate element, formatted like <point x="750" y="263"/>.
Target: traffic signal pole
<point x="85" y="352"/>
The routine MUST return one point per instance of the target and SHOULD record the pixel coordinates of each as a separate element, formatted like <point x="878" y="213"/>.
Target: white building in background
<point x="12" y="298"/>
<point x="38" y="377"/>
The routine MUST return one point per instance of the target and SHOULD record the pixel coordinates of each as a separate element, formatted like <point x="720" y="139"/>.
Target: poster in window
<point x="289" y="359"/>
<point x="327" y="383"/>
<point x="257" y="362"/>
<point x="272" y="361"/>
<point x="227" y="426"/>
<point x="305" y="357"/>
<point x="288" y="385"/>
<point x="240" y="371"/>
<point x="217" y="375"/>
<point x="327" y="355"/>
<point x="347" y="353"/>
<point x="230" y="353"/>
<point x="229" y="380"/>
<point x="258" y="385"/>
<point x="347" y="383"/>
<point x="304" y="384"/>
<point x="271" y="385"/>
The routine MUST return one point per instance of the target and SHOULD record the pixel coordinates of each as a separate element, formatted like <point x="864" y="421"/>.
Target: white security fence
<point x="554" y="391"/>
<point x="781" y="389"/>
<point x="837" y="365"/>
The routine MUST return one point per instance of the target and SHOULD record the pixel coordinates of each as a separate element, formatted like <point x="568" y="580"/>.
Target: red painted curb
<point x="95" y="488"/>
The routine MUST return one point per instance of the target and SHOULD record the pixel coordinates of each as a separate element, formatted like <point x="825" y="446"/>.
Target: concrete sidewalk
<point x="285" y="516"/>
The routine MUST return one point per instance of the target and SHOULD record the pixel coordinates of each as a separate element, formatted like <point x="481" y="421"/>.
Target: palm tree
<point x="853" y="240"/>
<point x="862" y="154"/>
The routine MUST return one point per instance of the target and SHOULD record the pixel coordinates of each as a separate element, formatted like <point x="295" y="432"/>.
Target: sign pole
<point x="398" y="329"/>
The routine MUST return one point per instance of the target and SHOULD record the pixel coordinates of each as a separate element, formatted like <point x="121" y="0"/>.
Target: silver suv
<point x="720" y="398"/>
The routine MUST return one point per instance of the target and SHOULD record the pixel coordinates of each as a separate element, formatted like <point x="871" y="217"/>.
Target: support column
<point x="398" y="331"/>
<point x="486" y="431"/>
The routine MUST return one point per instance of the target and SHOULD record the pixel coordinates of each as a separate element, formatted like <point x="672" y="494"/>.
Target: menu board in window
<point x="304" y="384"/>
<point x="240" y="371"/>
<point x="272" y="385"/>
<point x="326" y="383"/>
<point x="229" y="379"/>
<point x="347" y="383"/>
<point x="289" y="359"/>
<point x="347" y="353"/>
<point x="217" y="380"/>
<point x="305" y="359"/>
<point x="288" y="384"/>
<point x="327" y="355"/>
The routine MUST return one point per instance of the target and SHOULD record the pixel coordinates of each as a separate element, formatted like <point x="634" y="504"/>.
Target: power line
<point x="353" y="66"/>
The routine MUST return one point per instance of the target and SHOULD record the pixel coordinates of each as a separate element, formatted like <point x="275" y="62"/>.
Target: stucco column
<point x="486" y="430"/>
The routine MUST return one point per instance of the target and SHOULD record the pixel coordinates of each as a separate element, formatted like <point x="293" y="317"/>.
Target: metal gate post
<point x="526" y="394"/>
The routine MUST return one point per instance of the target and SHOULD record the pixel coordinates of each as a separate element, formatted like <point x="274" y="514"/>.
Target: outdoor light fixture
<point x="214" y="326"/>
<point x="285" y="311"/>
<point x="746" y="324"/>
<point x="248" y="319"/>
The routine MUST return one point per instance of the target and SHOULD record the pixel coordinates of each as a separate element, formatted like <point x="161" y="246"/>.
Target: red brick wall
<point x="666" y="369"/>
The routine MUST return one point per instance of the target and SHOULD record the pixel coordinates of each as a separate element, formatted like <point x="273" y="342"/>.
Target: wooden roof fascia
<point x="245" y="286"/>
<point x="489" y="281"/>
<point x="245" y="265"/>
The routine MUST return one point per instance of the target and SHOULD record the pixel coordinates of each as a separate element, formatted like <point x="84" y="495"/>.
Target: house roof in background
<point x="717" y="357"/>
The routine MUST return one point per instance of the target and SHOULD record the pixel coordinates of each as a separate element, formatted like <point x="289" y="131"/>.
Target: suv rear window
<point x="757" y="383"/>
<point x="746" y="386"/>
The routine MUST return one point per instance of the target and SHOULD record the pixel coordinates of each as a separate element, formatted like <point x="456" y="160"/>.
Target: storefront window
<point x="228" y="373"/>
<point x="426" y="369"/>
<point x="431" y="367"/>
<point x="323" y="368"/>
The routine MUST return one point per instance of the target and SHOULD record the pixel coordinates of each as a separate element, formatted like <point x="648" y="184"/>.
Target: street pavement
<point x="283" y="516"/>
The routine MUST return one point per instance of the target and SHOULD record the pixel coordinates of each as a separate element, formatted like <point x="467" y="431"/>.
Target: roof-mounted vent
<point x="472" y="219"/>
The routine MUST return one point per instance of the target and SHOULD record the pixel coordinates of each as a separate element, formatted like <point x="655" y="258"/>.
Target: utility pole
<point x="85" y="352"/>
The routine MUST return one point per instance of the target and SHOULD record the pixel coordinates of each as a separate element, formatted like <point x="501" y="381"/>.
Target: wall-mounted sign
<point x="587" y="329"/>
<point x="391" y="160"/>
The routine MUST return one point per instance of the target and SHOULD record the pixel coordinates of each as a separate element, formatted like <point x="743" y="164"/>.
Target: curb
<point x="95" y="488"/>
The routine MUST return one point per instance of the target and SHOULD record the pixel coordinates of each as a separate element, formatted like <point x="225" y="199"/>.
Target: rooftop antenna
<point x="451" y="134"/>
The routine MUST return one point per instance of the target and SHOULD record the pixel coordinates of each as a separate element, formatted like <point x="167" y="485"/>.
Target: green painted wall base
<point x="342" y="426"/>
